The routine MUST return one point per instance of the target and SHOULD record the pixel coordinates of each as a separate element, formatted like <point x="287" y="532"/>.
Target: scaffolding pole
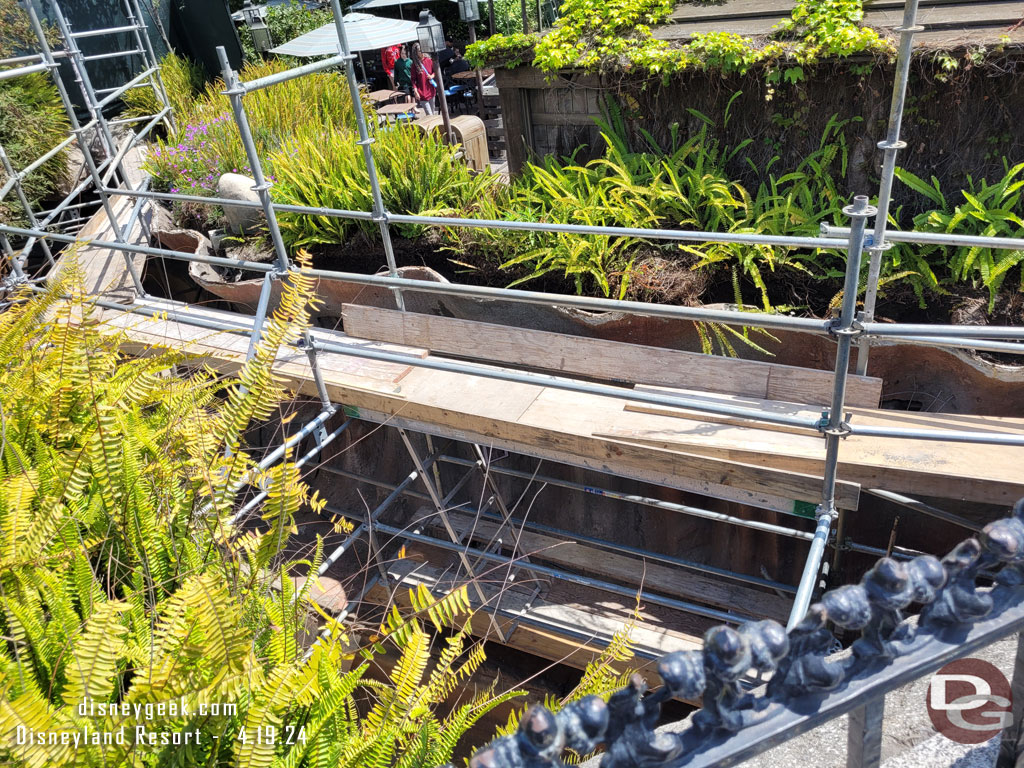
<point x="836" y="427"/>
<point x="890" y="146"/>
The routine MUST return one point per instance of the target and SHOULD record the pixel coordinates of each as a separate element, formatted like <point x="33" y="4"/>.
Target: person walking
<point x="423" y="83"/>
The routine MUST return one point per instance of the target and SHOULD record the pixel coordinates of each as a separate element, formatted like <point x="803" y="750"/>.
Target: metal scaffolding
<point x="850" y="329"/>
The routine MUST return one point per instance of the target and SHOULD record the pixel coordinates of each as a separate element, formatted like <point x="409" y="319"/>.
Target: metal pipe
<point x="695" y="236"/>
<point x="262" y="187"/>
<point x="7" y="74"/>
<point x="606" y="586"/>
<point x="291" y="74"/>
<point x="646" y="501"/>
<point x="886" y="330"/>
<point x="330" y="212"/>
<point x="148" y="250"/>
<point x="937" y="238"/>
<point x="261" y="314"/>
<point x="373" y="516"/>
<point x="10" y="61"/>
<point x="113" y="55"/>
<point x="890" y="146"/>
<point x="380" y="213"/>
<point x="108" y="31"/>
<point x="300" y="462"/>
<point x="1005" y="347"/>
<point x="652" y="234"/>
<point x="943" y="435"/>
<point x="926" y="509"/>
<point x="835" y="428"/>
<point x="809" y="577"/>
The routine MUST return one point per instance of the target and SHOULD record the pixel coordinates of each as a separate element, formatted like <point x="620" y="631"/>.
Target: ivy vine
<point x="614" y="37"/>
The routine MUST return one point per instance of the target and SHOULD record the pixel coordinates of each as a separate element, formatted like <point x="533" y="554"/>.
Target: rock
<point x="234" y="186"/>
<point x="75" y="170"/>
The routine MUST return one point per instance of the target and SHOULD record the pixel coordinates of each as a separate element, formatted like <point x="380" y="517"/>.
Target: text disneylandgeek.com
<point x="141" y="734"/>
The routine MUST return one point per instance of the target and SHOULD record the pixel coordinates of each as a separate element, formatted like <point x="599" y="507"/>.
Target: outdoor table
<point x="471" y="74"/>
<point x="386" y="96"/>
<point x="397" y="111"/>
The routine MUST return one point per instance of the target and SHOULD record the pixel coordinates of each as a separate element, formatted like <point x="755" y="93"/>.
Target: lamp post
<point x="431" y="40"/>
<point x="258" y="29"/>
<point x="469" y="12"/>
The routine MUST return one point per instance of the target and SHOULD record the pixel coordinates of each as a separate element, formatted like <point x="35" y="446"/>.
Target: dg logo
<point x="969" y="701"/>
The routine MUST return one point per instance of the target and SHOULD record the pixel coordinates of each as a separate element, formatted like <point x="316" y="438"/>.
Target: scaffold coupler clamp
<point x="834" y="328"/>
<point x="842" y="429"/>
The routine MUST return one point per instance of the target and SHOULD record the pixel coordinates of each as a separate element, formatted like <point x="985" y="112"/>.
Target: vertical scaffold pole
<point x="890" y="147"/>
<point x="76" y="128"/>
<point x="235" y="91"/>
<point x="380" y="214"/>
<point x="835" y="428"/>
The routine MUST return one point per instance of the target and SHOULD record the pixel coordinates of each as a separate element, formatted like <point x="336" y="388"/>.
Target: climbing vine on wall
<point x="614" y="36"/>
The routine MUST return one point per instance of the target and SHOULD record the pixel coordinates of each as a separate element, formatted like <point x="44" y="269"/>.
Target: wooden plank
<point x="987" y="474"/>
<point x="603" y="359"/>
<point x="564" y="413"/>
<point x="104" y="270"/>
<point x="595" y="432"/>
<point x="683" y="583"/>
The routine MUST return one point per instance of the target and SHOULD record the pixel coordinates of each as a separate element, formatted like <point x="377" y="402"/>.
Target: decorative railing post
<point x="810" y="684"/>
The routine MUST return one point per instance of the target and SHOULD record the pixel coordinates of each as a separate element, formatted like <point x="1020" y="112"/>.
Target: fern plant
<point x="139" y="624"/>
<point x="989" y="209"/>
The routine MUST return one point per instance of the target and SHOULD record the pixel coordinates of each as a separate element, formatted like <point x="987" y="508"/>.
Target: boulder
<point x="234" y="186"/>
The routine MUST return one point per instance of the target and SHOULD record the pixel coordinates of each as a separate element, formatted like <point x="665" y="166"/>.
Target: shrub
<point x="32" y="122"/>
<point x="418" y="174"/>
<point x="990" y="209"/>
<point x="183" y="79"/>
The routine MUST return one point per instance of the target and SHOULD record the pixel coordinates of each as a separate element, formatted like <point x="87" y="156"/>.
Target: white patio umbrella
<point x="364" y="31"/>
<point x="366" y="5"/>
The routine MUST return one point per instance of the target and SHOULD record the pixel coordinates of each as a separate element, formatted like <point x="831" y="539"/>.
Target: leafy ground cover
<point x="305" y="131"/>
<point x="615" y="37"/>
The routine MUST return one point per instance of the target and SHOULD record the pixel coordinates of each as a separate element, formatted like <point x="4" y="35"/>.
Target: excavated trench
<point x="915" y="379"/>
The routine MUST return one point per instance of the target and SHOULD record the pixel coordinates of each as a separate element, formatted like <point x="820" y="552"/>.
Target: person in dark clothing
<point x="403" y="72"/>
<point x="447" y="56"/>
<point x="458" y="64"/>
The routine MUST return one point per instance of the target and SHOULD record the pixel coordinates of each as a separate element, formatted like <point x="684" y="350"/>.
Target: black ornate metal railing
<point x="971" y="598"/>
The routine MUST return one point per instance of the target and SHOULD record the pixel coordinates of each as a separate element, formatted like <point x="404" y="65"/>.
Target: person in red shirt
<point x="388" y="57"/>
<point x="424" y="85"/>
